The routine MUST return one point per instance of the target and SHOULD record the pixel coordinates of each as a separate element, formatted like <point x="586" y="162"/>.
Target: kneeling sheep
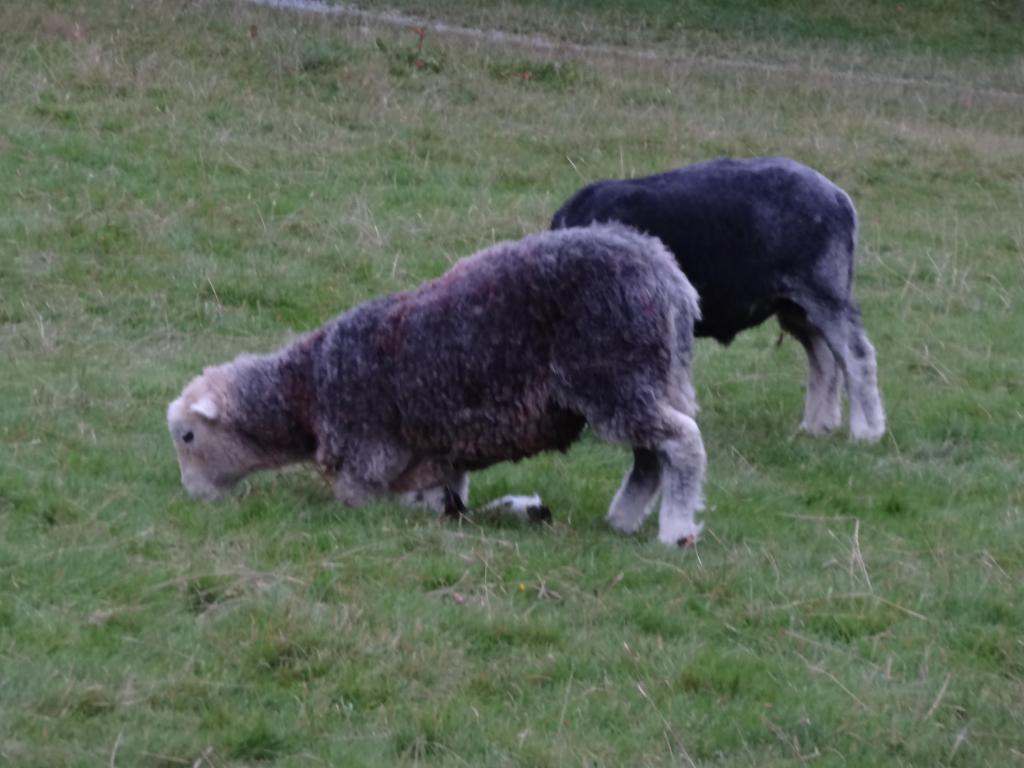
<point x="510" y="353"/>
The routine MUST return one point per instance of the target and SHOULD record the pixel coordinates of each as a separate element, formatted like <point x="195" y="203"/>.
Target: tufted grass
<point x="181" y="182"/>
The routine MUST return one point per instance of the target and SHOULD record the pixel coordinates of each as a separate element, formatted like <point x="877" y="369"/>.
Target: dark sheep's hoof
<point x="686" y="542"/>
<point x="539" y="514"/>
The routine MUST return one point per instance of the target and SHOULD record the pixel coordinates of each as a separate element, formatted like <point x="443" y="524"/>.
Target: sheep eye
<point x="188" y="437"/>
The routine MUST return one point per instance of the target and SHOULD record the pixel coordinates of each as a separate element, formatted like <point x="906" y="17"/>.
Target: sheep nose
<point x="199" y="489"/>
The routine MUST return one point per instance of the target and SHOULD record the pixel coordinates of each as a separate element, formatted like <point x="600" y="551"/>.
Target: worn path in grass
<point x="183" y="181"/>
<point x="662" y="55"/>
<point x="939" y="30"/>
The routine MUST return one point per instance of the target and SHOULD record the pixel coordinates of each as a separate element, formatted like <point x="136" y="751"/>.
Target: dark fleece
<point x="751" y="235"/>
<point x="509" y="353"/>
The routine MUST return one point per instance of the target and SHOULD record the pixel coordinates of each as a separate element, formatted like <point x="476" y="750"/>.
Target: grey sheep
<point x="508" y="354"/>
<point x="760" y="237"/>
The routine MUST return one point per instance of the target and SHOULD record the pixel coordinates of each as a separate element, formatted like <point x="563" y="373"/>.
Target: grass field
<point x="938" y="29"/>
<point x="185" y="181"/>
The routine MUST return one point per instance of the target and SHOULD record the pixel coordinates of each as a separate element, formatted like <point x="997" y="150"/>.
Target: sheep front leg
<point x="353" y="491"/>
<point x="367" y="471"/>
<point x="434" y="497"/>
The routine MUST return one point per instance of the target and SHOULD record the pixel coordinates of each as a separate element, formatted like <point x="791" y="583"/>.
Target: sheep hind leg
<point x="636" y="496"/>
<point x="822" y="403"/>
<point x="867" y="414"/>
<point x="856" y="356"/>
<point x="683" y="462"/>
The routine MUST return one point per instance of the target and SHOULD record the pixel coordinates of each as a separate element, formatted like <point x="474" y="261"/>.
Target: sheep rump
<point x="509" y="353"/>
<point x="760" y="237"/>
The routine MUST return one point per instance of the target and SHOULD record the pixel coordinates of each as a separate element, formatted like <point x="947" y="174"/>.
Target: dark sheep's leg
<point x="856" y="355"/>
<point x="822" y="403"/>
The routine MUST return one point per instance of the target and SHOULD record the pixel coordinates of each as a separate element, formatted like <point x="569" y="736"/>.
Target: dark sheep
<point x="760" y="237"/>
<point x="510" y="353"/>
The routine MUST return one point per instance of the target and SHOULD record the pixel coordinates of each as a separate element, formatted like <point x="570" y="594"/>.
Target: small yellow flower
<point x="522" y="587"/>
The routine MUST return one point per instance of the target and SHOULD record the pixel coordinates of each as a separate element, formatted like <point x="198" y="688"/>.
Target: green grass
<point x="182" y="182"/>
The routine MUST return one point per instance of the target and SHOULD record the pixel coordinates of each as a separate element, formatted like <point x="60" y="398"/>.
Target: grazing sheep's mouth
<point x="203" y="490"/>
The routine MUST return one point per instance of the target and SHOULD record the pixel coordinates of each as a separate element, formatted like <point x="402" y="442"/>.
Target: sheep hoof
<point x="687" y="541"/>
<point x="453" y="505"/>
<point x="538" y="514"/>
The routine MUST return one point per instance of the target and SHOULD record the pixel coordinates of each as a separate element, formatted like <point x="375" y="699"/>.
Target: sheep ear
<point x="205" y="407"/>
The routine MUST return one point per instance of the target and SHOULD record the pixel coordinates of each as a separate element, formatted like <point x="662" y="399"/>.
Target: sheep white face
<point x="211" y="457"/>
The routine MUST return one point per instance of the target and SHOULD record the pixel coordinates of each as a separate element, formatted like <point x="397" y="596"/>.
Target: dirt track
<point x="540" y="43"/>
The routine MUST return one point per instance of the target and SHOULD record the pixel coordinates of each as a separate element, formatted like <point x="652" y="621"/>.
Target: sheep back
<point x="511" y="351"/>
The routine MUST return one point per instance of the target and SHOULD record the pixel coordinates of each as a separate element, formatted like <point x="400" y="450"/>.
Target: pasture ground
<point x="182" y="181"/>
